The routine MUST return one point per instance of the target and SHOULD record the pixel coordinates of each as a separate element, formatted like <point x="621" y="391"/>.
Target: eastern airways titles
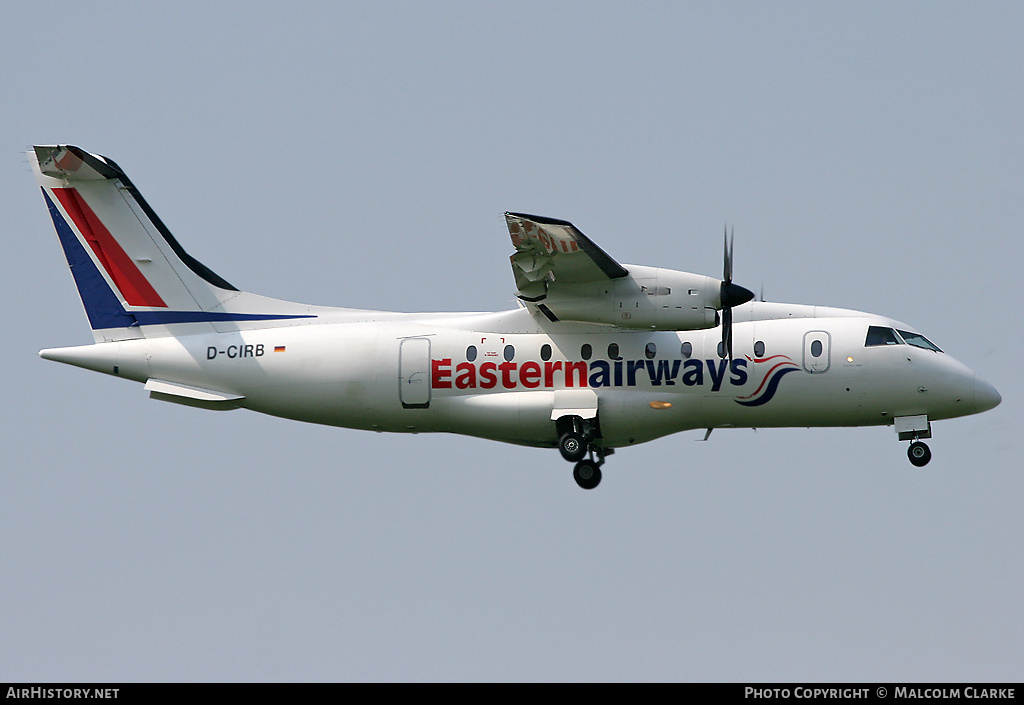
<point x="598" y="373"/>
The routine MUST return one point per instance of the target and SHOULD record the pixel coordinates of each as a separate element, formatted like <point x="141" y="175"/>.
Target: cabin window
<point x="816" y="348"/>
<point x="471" y="353"/>
<point x="650" y="350"/>
<point x="759" y="349"/>
<point x="510" y="352"/>
<point x="877" y="335"/>
<point x="586" y="351"/>
<point x="721" y="349"/>
<point x="918" y="341"/>
<point x="686" y="349"/>
<point x="613" y="351"/>
<point x="545" y="352"/>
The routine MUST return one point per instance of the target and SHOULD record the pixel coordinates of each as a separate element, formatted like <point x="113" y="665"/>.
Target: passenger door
<point x="817" y="351"/>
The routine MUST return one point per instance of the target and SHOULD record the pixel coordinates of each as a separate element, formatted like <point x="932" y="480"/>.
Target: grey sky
<point x="868" y="155"/>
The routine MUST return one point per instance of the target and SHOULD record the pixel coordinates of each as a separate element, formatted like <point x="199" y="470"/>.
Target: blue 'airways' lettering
<point x="717" y="373"/>
<point x="739" y="372"/>
<point x="693" y="373"/>
<point x="663" y="372"/>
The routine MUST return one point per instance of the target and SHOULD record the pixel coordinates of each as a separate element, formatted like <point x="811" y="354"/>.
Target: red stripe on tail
<point x="134" y="286"/>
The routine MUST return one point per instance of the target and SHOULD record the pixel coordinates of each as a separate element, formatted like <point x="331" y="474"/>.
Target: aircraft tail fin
<point x="135" y="280"/>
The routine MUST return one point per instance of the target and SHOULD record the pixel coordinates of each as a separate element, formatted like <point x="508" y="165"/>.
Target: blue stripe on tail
<point x="101" y="304"/>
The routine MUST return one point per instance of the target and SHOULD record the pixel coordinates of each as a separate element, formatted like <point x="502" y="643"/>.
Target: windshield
<point x="877" y="335"/>
<point x="918" y="341"/>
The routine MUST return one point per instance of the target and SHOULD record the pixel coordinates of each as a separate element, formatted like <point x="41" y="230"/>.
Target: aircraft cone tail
<point x="134" y="278"/>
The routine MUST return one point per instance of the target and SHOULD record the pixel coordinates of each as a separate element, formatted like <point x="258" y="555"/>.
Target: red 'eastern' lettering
<point x="529" y="375"/>
<point x="507" y="368"/>
<point x="510" y="375"/>
<point x="439" y="377"/>
<point x="549" y="372"/>
<point x="465" y="375"/>
<point x="581" y="368"/>
<point x="487" y="377"/>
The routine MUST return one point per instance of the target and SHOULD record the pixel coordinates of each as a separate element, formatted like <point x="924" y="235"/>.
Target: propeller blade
<point x="732" y="244"/>
<point x="731" y="294"/>
<point x="727" y="263"/>
<point x="727" y="332"/>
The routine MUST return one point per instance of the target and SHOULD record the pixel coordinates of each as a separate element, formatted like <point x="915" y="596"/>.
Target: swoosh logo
<point x="765" y="391"/>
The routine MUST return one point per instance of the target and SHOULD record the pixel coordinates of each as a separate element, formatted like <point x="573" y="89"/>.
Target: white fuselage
<point x="502" y="375"/>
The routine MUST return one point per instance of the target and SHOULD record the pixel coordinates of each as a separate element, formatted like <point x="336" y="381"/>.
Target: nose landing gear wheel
<point x="919" y="454"/>
<point x="572" y="447"/>
<point x="587" y="474"/>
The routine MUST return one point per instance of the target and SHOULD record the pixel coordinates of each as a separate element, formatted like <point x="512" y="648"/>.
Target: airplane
<point x="598" y="355"/>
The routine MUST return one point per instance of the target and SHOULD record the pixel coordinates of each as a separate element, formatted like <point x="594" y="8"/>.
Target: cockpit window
<point x="918" y="341"/>
<point x="877" y="335"/>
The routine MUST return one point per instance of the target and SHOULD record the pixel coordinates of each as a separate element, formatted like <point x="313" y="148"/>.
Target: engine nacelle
<point x="648" y="298"/>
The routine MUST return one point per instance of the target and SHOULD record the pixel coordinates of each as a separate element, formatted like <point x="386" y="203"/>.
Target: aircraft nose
<point x="985" y="395"/>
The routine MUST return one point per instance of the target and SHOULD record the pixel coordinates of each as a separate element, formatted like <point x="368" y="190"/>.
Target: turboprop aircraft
<point x="598" y="356"/>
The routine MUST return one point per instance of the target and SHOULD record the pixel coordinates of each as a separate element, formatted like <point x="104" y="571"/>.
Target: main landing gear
<point x="575" y="443"/>
<point x="587" y="474"/>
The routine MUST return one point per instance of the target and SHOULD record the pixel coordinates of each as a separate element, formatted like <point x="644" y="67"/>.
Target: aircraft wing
<point x="549" y="250"/>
